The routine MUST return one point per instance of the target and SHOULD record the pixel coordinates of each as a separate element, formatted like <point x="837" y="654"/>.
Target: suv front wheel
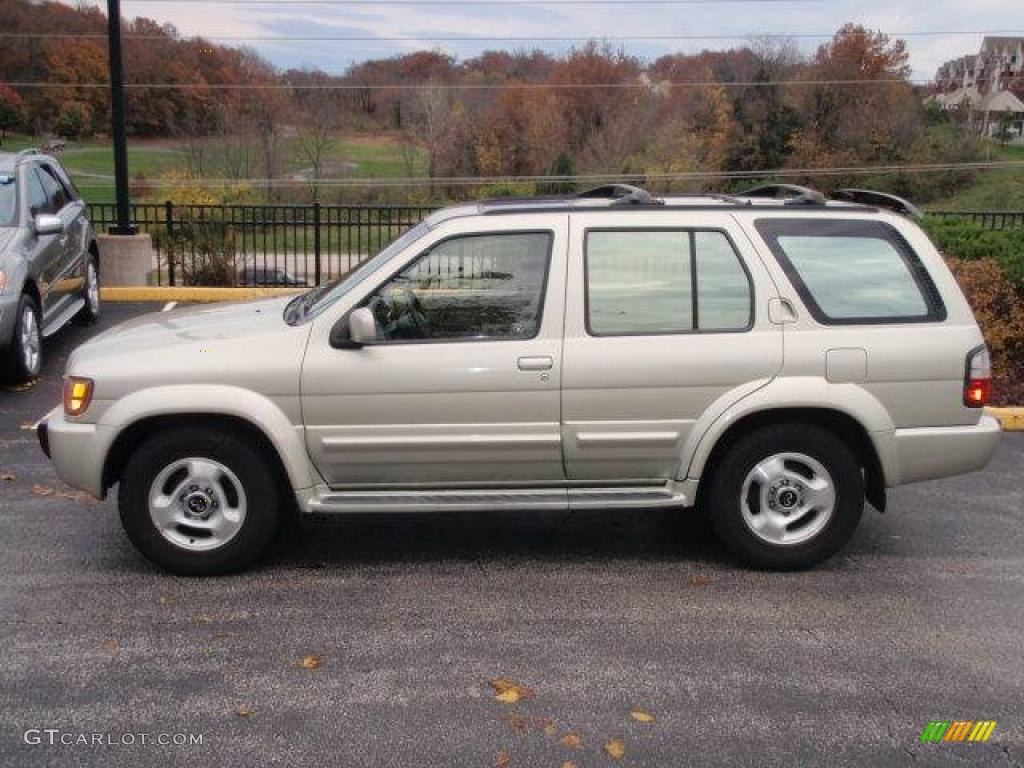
<point x="199" y="501"/>
<point x="787" y="496"/>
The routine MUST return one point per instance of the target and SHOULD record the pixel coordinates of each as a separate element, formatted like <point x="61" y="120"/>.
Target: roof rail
<point x="29" y="151"/>
<point x="622" y="194"/>
<point x="880" y="200"/>
<point x="792" y="194"/>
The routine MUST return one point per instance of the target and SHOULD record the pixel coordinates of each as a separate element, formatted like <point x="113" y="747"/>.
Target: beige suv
<point x="773" y="359"/>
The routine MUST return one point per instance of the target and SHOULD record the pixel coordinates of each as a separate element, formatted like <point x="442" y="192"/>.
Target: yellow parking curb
<point x="1011" y="418"/>
<point x="188" y="293"/>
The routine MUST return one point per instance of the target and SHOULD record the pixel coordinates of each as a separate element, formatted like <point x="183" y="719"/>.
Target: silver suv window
<point x="853" y="271"/>
<point x="8" y="199"/>
<point x="645" y="282"/>
<point x="471" y="287"/>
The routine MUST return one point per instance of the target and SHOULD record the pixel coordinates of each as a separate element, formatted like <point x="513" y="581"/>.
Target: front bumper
<point x="77" y="450"/>
<point x="932" y="452"/>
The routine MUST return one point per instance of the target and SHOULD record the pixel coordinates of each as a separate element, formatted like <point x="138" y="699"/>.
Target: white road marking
<point x="169" y="306"/>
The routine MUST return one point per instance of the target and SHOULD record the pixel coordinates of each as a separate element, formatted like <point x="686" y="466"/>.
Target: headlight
<point x="77" y="395"/>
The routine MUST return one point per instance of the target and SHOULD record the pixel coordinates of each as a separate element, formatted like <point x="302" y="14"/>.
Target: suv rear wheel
<point x="199" y="501"/>
<point x="787" y="496"/>
<point x="90" y="313"/>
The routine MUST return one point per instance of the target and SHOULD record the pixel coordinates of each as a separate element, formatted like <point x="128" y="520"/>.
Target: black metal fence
<point x="995" y="220"/>
<point x="274" y="245"/>
<point x="282" y="245"/>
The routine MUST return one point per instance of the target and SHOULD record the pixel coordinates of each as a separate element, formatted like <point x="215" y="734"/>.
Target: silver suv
<point x="771" y="361"/>
<point x="49" y="263"/>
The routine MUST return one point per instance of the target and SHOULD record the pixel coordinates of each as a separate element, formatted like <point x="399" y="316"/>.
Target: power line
<point x="487" y="38"/>
<point x="484" y="3"/>
<point x="861" y="170"/>
<point x="650" y="85"/>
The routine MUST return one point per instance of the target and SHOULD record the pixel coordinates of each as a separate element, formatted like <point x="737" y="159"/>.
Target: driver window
<point x="475" y="287"/>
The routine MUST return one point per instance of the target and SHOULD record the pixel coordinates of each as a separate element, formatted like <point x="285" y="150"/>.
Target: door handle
<point x="535" y="363"/>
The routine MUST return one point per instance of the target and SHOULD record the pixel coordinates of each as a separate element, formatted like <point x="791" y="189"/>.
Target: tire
<point x="90" y="313"/>
<point x="769" y="499"/>
<point x="24" y="358"/>
<point x="225" y="477"/>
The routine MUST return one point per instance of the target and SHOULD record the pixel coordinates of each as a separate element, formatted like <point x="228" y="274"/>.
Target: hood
<point x="189" y="325"/>
<point x="246" y="344"/>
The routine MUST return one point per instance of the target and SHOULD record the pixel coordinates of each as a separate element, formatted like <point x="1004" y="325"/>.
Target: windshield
<point x="8" y="200"/>
<point x="308" y="305"/>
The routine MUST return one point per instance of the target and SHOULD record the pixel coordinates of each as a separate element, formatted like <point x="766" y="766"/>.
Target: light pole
<point x="123" y="225"/>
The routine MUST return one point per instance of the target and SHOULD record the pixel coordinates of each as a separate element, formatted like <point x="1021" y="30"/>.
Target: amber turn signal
<point x="77" y="395"/>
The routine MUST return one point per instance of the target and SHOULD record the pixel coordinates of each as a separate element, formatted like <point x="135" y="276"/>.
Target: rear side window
<point x="853" y="271"/>
<point x="647" y="282"/>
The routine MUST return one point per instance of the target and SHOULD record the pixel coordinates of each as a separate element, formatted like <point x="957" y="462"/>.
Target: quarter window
<point x="477" y="287"/>
<point x="664" y="281"/>
<point x="853" y="271"/>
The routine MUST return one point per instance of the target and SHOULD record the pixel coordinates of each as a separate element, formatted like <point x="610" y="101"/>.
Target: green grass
<point x="999" y="189"/>
<point x="91" y="162"/>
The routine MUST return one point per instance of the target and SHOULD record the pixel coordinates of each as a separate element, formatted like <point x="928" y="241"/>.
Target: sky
<point x="741" y="20"/>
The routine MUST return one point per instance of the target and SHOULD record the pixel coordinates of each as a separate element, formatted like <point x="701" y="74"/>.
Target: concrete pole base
<point x="126" y="259"/>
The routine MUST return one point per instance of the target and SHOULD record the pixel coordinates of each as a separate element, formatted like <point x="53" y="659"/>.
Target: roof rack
<point x="880" y="200"/>
<point x="791" y="194"/>
<point x="29" y="151"/>
<point x="622" y="194"/>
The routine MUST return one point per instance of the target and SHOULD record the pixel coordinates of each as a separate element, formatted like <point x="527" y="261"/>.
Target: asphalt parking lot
<point x="407" y="618"/>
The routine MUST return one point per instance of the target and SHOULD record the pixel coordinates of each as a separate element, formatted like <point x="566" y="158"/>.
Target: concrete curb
<point x="189" y="293"/>
<point x="1011" y="418"/>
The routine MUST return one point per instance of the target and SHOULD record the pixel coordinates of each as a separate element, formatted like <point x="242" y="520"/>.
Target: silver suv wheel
<point x="197" y="504"/>
<point x="787" y="498"/>
<point x="31" y="340"/>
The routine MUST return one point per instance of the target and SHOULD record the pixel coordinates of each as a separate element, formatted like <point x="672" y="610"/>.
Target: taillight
<point x="977" y="378"/>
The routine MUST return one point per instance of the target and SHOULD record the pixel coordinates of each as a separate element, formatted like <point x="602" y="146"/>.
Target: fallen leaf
<point x="615" y="748"/>
<point x="204" y="618"/>
<point x="572" y="740"/>
<point x="244" y="711"/>
<point x="642" y="716"/>
<point x="503" y="760"/>
<point x="700" y="580"/>
<point x="312" y="661"/>
<point x="517" y="722"/>
<point x="548" y="726"/>
<point x="112" y="645"/>
<point x="569" y="764"/>
<point x="7" y="477"/>
<point x="509" y="692"/>
<point x="165" y="600"/>
<point x="42" y="490"/>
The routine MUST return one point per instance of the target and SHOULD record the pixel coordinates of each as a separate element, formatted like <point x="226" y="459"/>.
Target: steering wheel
<point x="400" y="314"/>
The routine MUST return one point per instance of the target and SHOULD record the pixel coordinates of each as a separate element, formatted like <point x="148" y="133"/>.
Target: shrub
<point x="999" y="308"/>
<point x="965" y="240"/>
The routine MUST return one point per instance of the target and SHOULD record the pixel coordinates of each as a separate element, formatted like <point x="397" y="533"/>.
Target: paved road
<point x="921" y="618"/>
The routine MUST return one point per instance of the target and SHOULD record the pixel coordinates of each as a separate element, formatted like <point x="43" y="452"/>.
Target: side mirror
<point x="47" y="224"/>
<point x="356" y="330"/>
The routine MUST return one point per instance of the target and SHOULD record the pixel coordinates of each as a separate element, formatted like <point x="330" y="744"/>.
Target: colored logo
<point x="958" y="730"/>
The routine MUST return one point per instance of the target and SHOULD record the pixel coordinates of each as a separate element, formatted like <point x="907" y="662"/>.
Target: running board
<point x="332" y="501"/>
<point x="65" y="317"/>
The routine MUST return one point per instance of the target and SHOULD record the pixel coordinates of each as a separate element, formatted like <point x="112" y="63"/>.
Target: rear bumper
<point x="77" y="450"/>
<point x="932" y="452"/>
